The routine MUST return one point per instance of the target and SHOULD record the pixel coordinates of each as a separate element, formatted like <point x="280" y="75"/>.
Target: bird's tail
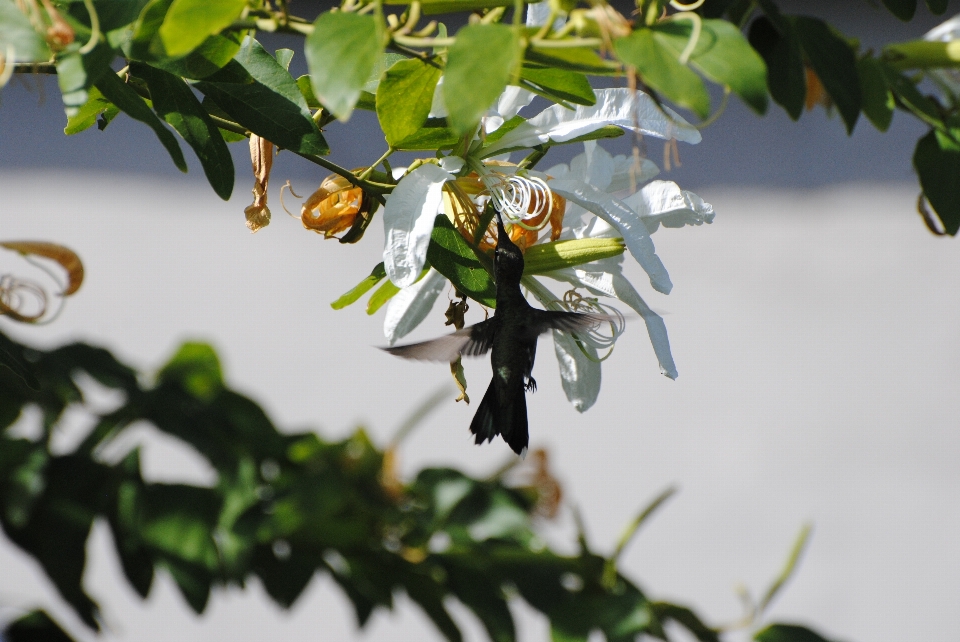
<point x="497" y="418"/>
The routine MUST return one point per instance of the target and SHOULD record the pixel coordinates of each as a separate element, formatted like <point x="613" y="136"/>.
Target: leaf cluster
<point x="284" y="507"/>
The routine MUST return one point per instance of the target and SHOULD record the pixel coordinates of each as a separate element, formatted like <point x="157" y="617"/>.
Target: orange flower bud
<point x="333" y="208"/>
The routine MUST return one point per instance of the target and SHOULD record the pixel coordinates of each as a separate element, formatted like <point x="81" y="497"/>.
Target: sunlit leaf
<point x="452" y="257"/>
<point x="342" y="51"/>
<point x="189" y="22"/>
<point x="480" y="64"/>
<point x="659" y="68"/>
<point x="404" y="97"/>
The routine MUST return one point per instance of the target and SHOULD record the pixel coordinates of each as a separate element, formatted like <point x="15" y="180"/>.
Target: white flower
<point x="414" y="204"/>
<point x="949" y="32"/>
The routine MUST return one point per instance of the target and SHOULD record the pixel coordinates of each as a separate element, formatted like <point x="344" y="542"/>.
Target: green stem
<point x="366" y="173"/>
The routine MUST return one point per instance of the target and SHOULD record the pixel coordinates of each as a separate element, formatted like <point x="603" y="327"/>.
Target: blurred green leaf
<point x="128" y="101"/>
<point x="35" y="626"/>
<point x="176" y="103"/>
<point x="196" y="368"/>
<point x="686" y="618"/>
<point x="659" y="68"/>
<point x="189" y="22"/>
<point x="11" y="357"/>
<point x="473" y="81"/>
<point x="878" y="103"/>
<point x="780" y="48"/>
<point x="937" y="7"/>
<point x="261" y="95"/>
<point x="452" y="257"/>
<point x="788" y="633"/>
<point x="18" y="35"/>
<point x="833" y="60"/>
<point x="342" y="51"/>
<point x="903" y="9"/>
<point x="937" y="161"/>
<point x="404" y="97"/>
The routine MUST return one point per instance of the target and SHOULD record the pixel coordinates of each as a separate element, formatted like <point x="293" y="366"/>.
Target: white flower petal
<point x="411" y="305"/>
<point x="408" y="221"/>
<point x="599" y="167"/>
<point x="664" y="202"/>
<point x="452" y="164"/>
<point x="625" y="220"/>
<point x="512" y="100"/>
<point x="579" y="374"/>
<point x="631" y="110"/>
<point x="438" y="109"/>
<point x="605" y="277"/>
<point x="627" y="177"/>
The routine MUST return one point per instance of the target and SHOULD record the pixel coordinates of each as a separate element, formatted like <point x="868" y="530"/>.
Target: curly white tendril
<point x="605" y="335"/>
<point x="520" y="198"/>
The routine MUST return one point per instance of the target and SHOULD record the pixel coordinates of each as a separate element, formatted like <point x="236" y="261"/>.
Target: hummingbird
<point x="510" y="336"/>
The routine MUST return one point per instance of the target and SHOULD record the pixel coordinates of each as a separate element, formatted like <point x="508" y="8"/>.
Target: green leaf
<point x="788" y="633"/>
<point x="284" y="57"/>
<point x="257" y="92"/>
<point x="189" y="22"/>
<point x="342" y="51"/>
<point x="434" y="135"/>
<point x="11" y="356"/>
<point x="383" y="294"/>
<point x="833" y="61"/>
<point x="77" y="73"/>
<point x="561" y="84"/>
<point x="780" y="48"/>
<point x="686" y="618"/>
<point x="176" y="103"/>
<point x="452" y="257"/>
<point x="18" y="35"/>
<point x="196" y="368"/>
<point x="87" y="115"/>
<point x="404" y="97"/>
<point x="903" y="9"/>
<point x="937" y="161"/>
<point x="878" y="103"/>
<point x="911" y="98"/>
<point x="211" y="56"/>
<point x="937" y="7"/>
<point x="480" y="63"/>
<point x="121" y="95"/>
<point x="377" y="275"/>
<point x="35" y="626"/>
<point x="659" y="68"/>
<point x="723" y="55"/>
<point x="582" y="59"/>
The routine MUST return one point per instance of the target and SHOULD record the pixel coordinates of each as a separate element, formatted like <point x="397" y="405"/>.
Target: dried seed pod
<point x="66" y="257"/>
<point x="338" y="206"/>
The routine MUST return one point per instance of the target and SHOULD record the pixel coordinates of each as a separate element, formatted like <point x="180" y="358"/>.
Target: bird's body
<point x="511" y="336"/>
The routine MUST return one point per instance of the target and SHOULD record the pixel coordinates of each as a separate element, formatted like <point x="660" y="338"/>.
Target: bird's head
<point x="507" y="259"/>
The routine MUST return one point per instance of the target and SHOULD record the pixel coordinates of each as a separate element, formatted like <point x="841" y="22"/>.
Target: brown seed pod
<point x="66" y="257"/>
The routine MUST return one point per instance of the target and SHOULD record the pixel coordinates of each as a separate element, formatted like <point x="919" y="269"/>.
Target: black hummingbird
<point x="512" y="334"/>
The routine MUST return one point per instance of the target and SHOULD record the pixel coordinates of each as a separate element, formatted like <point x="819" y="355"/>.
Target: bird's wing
<point x="546" y="320"/>
<point x="471" y="341"/>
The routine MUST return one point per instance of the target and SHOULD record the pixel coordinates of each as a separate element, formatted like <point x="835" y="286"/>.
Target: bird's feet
<point x="531" y="385"/>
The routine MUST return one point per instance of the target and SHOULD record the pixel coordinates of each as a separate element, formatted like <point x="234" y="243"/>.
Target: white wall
<point x="816" y="337"/>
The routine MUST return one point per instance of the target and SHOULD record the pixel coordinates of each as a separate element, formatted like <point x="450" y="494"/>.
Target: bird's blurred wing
<point x="471" y="341"/>
<point x="565" y="321"/>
